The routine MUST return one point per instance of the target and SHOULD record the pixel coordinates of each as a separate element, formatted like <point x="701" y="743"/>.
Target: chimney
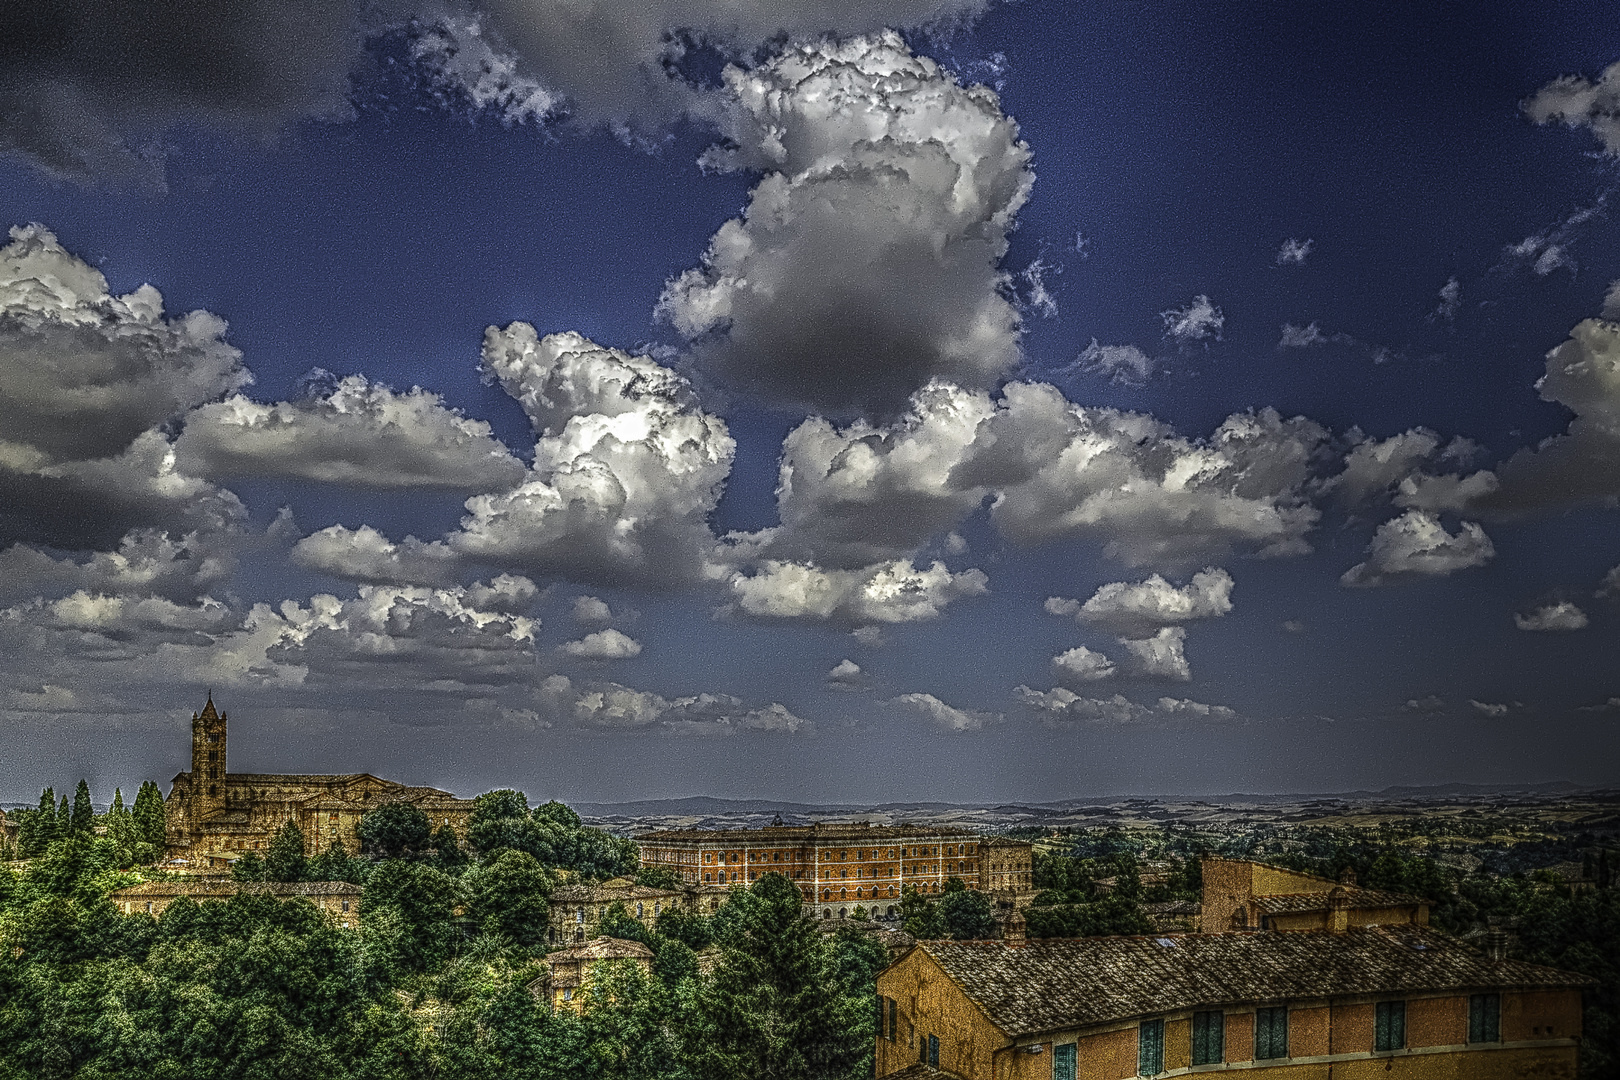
<point x="1012" y="931"/>
<point x="1496" y="943"/>
<point x="1347" y="877"/>
<point x="1339" y="910"/>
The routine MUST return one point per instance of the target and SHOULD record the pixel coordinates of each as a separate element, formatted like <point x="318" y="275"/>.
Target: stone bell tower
<point x="207" y="762"/>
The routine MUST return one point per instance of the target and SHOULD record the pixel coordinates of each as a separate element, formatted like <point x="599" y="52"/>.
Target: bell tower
<point x="207" y="762"/>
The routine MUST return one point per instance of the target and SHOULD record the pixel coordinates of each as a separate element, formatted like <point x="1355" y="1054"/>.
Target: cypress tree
<point x="284" y="860"/>
<point x="118" y="802"/>
<point x="64" y="818"/>
<point x="44" y="823"/>
<point x="150" y="824"/>
<point x="83" y="818"/>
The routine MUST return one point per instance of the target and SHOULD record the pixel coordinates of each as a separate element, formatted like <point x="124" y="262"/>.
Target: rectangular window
<point x="1389" y="1026"/>
<point x="1270" y="1033"/>
<point x="1150" y="1048"/>
<point x="933" y="1051"/>
<point x="1485" y="1018"/>
<point x="1065" y="1061"/>
<point x="1208" y="1038"/>
<point x="894" y="1018"/>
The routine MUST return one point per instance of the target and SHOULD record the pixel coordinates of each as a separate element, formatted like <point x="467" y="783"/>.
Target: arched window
<point x="826" y="894"/>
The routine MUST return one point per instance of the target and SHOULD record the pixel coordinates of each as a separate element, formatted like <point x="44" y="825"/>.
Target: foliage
<point x="421" y="901"/>
<point x="919" y="918"/>
<point x="772" y="1006"/>
<point x="967" y="915"/>
<point x="284" y="859"/>
<point x="688" y="927"/>
<point x="150" y="821"/>
<point x="617" y="922"/>
<point x="82" y="818"/>
<point x="395" y="831"/>
<point x="1114" y="914"/>
<point x="447" y="852"/>
<point x="336" y="864"/>
<point x="658" y="877"/>
<point x="510" y="897"/>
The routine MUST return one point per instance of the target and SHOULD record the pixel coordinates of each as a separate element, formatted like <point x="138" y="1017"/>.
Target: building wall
<point x="1392" y="915"/>
<point x="931" y="1004"/>
<point x="573" y="921"/>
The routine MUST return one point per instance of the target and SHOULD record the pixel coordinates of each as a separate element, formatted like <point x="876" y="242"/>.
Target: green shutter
<point x="1208" y="1038"/>
<point x="1270" y="1033"/>
<point x="1150" y="1048"/>
<point x="1389" y="1025"/>
<point x="1065" y="1061"/>
<point x="1485" y="1018"/>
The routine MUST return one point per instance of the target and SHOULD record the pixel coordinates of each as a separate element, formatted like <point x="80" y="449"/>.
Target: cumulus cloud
<point x="868" y="259"/>
<point x="894" y="592"/>
<point x="1123" y="365"/>
<point x="1162" y="656"/>
<point x="364" y="554"/>
<point x="1294" y="252"/>
<point x="846" y="675"/>
<point x="1582" y="465"/>
<point x="626" y="468"/>
<point x="146" y="562"/>
<point x="357" y="433"/>
<point x="947" y="717"/>
<point x="1450" y="301"/>
<point x="1140" y="608"/>
<point x="1560" y="615"/>
<point x="1611" y="301"/>
<point x="1081" y="665"/>
<point x="1200" y="320"/>
<point x="1416" y="544"/>
<point x="1609" y="587"/>
<point x="1611" y="705"/>
<point x="1580" y="102"/>
<point x="83" y="373"/>
<point x="1059" y="704"/>
<point x="1407" y="469"/>
<point x="1300" y="337"/>
<point x="613" y="706"/>
<point x="1490" y="708"/>
<point x="591" y="611"/>
<point x="870" y="636"/>
<point x="606" y="644"/>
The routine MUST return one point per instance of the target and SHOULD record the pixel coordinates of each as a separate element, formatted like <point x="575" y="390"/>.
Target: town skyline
<point x="923" y="400"/>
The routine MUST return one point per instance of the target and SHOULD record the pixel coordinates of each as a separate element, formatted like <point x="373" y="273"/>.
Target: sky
<point x="827" y="401"/>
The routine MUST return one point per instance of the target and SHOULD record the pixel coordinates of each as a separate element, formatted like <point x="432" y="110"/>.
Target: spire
<point x="208" y="712"/>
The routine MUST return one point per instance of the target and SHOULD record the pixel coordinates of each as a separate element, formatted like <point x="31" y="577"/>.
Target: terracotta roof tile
<point x="1277" y="903"/>
<point x="1046" y="985"/>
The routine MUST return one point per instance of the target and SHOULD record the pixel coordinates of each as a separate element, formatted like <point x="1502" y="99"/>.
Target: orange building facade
<point x="838" y="867"/>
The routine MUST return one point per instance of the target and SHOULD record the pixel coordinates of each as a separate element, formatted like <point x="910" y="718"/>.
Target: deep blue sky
<point x="1174" y="150"/>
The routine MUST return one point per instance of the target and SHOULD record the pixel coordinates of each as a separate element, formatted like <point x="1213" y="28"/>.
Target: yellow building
<point x="338" y="899"/>
<point x="1239" y="894"/>
<point x="214" y="816"/>
<point x="576" y="910"/>
<point x="570" y="970"/>
<point x="1363" y="1003"/>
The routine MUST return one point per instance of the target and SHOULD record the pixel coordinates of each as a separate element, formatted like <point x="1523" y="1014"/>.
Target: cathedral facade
<point x="215" y="816"/>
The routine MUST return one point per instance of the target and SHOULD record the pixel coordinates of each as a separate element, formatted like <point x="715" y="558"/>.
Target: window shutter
<point x="1065" y="1061"/>
<point x="1150" y="1048"/>
<point x="1209" y="1038"/>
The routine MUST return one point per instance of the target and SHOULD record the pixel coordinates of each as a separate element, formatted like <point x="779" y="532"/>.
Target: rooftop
<point x="609" y="892"/>
<point x="1280" y="903"/>
<point x="602" y="948"/>
<point x="1053" y="984"/>
<point x="855" y="831"/>
<point x="227" y="887"/>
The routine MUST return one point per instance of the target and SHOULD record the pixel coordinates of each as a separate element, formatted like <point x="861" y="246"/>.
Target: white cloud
<point x="870" y="636"/>
<point x="1611" y="301"/>
<point x="846" y="674"/>
<point x="1140" y="608"/>
<point x="146" y="562"/>
<point x="1582" y="465"/>
<point x="1561" y="615"/>
<point x="1609" y="587"/>
<point x="1490" y="708"/>
<point x="1294" y="252"/>
<point x="1402" y="468"/>
<point x="591" y="611"/>
<point x="358" y="433"/>
<point x="626" y="468"/>
<point x="1124" y="365"/>
<point x="1551" y="248"/>
<point x="894" y="592"/>
<point x="1581" y="102"/>
<point x="1450" y="301"/>
<point x="1416" y="544"/>
<point x="1062" y="606"/>
<point x="614" y="706"/>
<point x="1198" y="321"/>
<point x="867" y="261"/>
<point x="457" y="54"/>
<point x="84" y="372"/>
<point x="1170" y="706"/>
<point x="1428" y="703"/>
<point x="606" y="644"/>
<point x="1081" y="665"/>
<point x="1611" y="705"/>
<point x="1300" y="337"/>
<point x="945" y="716"/>
<point x="1162" y="656"/>
<point x="364" y="554"/>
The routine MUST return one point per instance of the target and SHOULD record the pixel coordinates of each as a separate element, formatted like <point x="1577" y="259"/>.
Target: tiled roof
<point x="1279" y="903"/>
<point x="223" y="887"/>
<point x="597" y="894"/>
<point x="919" y="1071"/>
<point x="1046" y="985"/>
<point x="602" y="948"/>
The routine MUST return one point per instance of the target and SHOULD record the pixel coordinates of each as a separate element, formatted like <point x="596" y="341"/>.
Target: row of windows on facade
<point x="860" y="854"/>
<point x="829" y="875"/>
<point x="657" y="909"/>
<point x="1209" y="1035"/>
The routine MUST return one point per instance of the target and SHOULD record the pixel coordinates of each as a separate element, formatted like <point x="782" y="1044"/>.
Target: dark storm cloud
<point x="88" y="87"/>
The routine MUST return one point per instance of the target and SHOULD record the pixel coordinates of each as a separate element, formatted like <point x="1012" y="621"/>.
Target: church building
<point x="215" y="816"/>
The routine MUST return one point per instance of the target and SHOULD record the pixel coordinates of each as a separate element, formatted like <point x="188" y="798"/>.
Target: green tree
<point x="64" y="818"/>
<point x="685" y="926"/>
<point x="772" y="1006"/>
<point x="284" y="859"/>
<point x="657" y="877"/>
<point x="336" y="864"/>
<point x="967" y="915"/>
<point x="395" y="831"/>
<point x="500" y="820"/>
<point x="418" y="901"/>
<point x="617" y="922"/>
<point x="448" y="854"/>
<point x="511" y="897"/>
<point x="918" y="917"/>
<point x="150" y="821"/>
<point x="82" y="819"/>
<point x="559" y="815"/>
<point x="250" y="867"/>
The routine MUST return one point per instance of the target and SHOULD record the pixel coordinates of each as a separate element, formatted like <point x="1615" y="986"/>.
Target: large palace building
<point x="215" y="816"/>
<point x="844" y="866"/>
